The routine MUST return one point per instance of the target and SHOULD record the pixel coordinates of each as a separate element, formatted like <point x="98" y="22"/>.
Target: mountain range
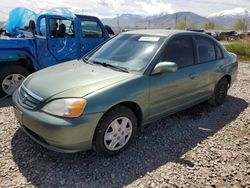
<point x="224" y="19"/>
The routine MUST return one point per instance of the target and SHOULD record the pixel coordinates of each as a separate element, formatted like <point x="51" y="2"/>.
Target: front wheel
<point x="11" y="77"/>
<point x="220" y="92"/>
<point x="115" y="131"/>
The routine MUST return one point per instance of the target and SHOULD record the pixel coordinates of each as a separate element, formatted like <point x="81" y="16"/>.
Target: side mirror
<point x="163" y="67"/>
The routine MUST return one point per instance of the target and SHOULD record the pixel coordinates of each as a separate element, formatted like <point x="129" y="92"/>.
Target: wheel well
<point x="27" y="62"/>
<point x="134" y="107"/>
<point x="24" y="61"/>
<point x="228" y="77"/>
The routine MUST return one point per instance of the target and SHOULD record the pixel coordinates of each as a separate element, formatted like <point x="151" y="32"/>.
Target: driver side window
<point x="180" y="51"/>
<point x="61" y="28"/>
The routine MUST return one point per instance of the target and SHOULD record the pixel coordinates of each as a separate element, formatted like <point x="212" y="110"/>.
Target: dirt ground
<point x="199" y="147"/>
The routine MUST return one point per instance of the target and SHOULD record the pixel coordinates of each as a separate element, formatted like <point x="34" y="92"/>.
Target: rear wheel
<point x="11" y="77"/>
<point x="115" y="131"/>
<point x="220" y="92"/>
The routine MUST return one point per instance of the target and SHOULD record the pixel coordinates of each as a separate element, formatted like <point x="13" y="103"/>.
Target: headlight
<point x="70" y="108"/>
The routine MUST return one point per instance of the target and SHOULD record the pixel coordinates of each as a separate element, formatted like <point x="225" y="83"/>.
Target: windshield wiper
<point x="87" y="61"/>
<point x="119" y="68"/>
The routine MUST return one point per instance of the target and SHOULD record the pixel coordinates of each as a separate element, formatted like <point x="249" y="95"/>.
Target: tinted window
<point x="91" y="29"/>
<point x="61" y="28"/>
<point x="219" y="54"/>
<point x="179" y="50"/>
<point x="206" y="51"/>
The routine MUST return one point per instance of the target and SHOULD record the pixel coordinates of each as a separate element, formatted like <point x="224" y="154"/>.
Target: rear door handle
<point x="193" y="76"/>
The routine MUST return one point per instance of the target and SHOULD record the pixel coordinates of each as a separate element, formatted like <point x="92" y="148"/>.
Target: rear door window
<point x="205" y="49"/>
<point x="219" y="54"/>
<point x="91" y="29"/>
<point x="180" y="51"/>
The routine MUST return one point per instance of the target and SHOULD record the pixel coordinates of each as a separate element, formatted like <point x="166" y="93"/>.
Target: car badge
<point x="25" y="97"/>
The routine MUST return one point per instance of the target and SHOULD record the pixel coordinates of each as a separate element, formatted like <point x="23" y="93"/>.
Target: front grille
<point x="28" y="99"/>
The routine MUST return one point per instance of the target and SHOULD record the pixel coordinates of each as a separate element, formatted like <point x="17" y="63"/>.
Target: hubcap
<point x="12" y="82"/>
<point x="118" y="133"/>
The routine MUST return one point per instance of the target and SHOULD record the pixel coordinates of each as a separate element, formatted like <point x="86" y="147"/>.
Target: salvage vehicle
<point x="51" y="40"/>
<point x="135" y="78"/>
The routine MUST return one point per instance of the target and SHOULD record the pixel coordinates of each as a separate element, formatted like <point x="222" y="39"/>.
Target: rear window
<point x="205" y="48"/>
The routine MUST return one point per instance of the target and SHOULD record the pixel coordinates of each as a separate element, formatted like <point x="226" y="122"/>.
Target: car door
<point x="170" y="92"/>
<point x="92" y="35"/>
<point x="62" y="41"/>
<point x="43" y="54"/>
<point x="208" y="59"/>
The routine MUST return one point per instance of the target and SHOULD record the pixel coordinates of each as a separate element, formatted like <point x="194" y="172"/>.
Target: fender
<point x="10" y="55"/>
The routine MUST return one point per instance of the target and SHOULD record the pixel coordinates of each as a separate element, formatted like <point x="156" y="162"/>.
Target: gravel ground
<point x="199" y="147"/>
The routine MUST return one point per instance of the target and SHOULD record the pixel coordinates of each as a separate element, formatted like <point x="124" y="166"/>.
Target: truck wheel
<point x="11" y="77"/>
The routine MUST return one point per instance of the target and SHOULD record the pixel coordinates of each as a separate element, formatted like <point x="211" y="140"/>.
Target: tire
<point x="116" y="116"/>
<point x="220" y="92"/>
<point x="5" y="74"/>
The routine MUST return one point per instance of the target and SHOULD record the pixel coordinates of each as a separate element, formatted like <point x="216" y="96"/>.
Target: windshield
<point x="129" y="51"/>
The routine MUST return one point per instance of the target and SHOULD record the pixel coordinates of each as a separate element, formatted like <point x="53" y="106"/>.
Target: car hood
<point x="72" y="79"/>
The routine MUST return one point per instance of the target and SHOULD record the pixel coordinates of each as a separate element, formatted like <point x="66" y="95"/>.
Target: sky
<point x="110" y="8"/>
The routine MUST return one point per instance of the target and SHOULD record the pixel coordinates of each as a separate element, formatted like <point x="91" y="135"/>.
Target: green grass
<point x="241" y="48"/>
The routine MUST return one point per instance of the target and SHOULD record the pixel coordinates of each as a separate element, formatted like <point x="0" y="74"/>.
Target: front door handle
<point x="192" y="76"/>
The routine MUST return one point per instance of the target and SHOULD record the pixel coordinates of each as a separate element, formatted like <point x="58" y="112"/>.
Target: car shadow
<point x="5" y="102"/>
<point x="161" y="142"/>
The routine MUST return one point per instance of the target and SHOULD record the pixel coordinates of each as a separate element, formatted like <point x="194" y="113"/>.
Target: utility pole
<point x="148" y="24"/>
<point x="185" y="21"/>
<point x="176" y="20"/>
<point x="118" y="22"/>
<point x="246" y="20"/>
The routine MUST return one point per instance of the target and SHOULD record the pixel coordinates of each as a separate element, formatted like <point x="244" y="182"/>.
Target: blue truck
<point x="52" y="39"/>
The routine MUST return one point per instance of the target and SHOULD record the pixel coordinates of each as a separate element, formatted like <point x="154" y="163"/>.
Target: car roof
<point x="85" y="16"/>
<point x="160" y="32"/>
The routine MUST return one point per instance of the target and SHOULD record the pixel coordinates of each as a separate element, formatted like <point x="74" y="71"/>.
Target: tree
<point x="209" y="25"/>
<point x="181" y="25"/>
<point x="193" y="25"/>
<point x="241" y="24"/>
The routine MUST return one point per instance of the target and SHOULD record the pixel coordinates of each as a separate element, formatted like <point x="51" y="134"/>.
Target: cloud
<point x="109" y="8"/>
<point x="104" y="3"/>
<point x="156" y="7"/>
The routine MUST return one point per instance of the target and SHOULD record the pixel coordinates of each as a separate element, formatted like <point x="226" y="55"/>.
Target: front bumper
<point x="56" y="133"/>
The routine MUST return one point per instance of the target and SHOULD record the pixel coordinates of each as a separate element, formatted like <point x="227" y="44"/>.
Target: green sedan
<point x="138" y="77"/>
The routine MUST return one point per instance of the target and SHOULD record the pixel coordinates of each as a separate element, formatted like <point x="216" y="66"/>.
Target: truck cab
<point x="52" y="39"/>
